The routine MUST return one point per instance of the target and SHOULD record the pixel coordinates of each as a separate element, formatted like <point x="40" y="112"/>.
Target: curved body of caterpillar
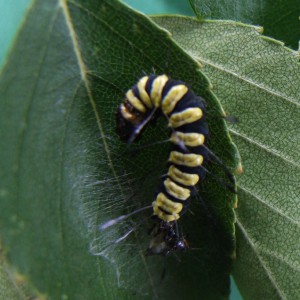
<point x="185" y="113"/>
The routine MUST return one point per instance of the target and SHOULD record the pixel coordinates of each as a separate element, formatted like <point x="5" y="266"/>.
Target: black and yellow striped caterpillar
<point x="185" y="113"/>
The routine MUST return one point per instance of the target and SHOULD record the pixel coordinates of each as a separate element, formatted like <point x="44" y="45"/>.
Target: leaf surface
<point x="64" y="170"/>
<point x="280" y="19"/>
<point x="258" y="82"/>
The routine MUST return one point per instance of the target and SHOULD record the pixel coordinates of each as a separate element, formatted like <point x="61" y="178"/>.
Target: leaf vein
<point x="264" y="147"/>
<point x="280" y="257"/>
<point x="261" y="261"/>
<point x="28" y="109"/>
<point x="61" y="174"/>
<point x="275" y="209"/>
<point x="249" y="80"/>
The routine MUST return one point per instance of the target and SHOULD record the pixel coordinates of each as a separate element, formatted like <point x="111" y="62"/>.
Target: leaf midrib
<point x="83" y="73"/>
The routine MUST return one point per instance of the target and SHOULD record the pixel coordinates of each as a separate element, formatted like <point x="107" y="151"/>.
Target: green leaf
<point x="258" y="82"/>
<point x="64" y="170"/>
<point x="280" y="19"/>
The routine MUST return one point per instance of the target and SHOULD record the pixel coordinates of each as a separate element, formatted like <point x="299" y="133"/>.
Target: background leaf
<point x="64" y="170"/>
<point x="257" y="81"/>
<point x="280" y="19"/>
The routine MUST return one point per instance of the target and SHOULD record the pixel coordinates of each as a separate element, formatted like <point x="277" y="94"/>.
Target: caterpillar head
<point x="130" y="122"/>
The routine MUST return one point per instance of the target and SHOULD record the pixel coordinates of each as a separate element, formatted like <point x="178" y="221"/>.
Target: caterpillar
<point x="185" y="112"/>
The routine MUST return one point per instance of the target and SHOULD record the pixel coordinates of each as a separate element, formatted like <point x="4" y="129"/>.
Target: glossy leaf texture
<point x="64" y="170"/>
<point x="258" y="83"/>
<point x="280" y="19"/>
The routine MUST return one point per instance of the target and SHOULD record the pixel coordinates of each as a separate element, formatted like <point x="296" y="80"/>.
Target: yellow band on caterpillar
<point x="188" y="139"/>
<point x="174" y="95"/>
<point x="183" y="178"/>
<point x="157" y="87"/>
<point x="171" y="209"/>
<point x="135" y="102"/>
<point x="189" y="160"/>
<point x="167" y="205"/>
<point x="186" y="116"/>
<point x="176" y="191"/>
<point x="163" y="216"/>
<point x="126" y="114"/>
<point x="143" y="93"/>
